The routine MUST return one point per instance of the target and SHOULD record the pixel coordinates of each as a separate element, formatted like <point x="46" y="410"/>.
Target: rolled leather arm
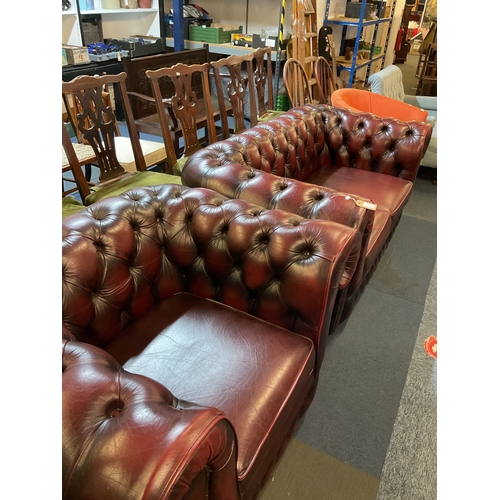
<point x="123" y="254"/>
<point x="126" y="436"/>
<point x="307" y="200"/>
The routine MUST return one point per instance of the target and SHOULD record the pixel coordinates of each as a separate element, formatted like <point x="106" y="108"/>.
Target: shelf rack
<point x="345" y="22"/>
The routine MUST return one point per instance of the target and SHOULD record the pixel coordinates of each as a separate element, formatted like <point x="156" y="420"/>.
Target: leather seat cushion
<point x="208" y="353"/>
<point x="387" y="192"/>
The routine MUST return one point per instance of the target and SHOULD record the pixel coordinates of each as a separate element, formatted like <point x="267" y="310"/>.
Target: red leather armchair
<point x="308" y="160"/>
<point x="194" y="327"/>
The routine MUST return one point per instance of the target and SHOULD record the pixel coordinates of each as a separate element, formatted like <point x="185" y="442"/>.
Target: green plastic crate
<point x="210" y="34"/>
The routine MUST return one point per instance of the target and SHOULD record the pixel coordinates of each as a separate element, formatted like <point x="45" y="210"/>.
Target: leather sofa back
<point x="124" y="254"/>
<point x="301" y="141"/>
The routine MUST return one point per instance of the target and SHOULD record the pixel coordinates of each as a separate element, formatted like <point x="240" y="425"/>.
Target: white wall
<point x="264" y="15"/>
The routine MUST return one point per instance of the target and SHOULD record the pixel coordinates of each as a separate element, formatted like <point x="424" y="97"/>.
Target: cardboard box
<point x="76" y="55"/>
<point x="270" y="41"/>
<point x="139" y="45"/>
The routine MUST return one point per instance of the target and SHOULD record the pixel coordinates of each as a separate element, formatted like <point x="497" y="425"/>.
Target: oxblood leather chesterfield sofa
<point x="317" y="162"/>
<point x="194" y="327"/>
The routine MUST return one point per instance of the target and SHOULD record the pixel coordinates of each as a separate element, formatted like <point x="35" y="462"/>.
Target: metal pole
<point x="278" y="52"/>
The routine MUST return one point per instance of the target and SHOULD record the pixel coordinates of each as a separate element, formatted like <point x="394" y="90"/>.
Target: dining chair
<point x="141" y="94"/>
<point x="153" y="151"/>
<point x="297" y="83"/>
<point x="84" y="152"/>
<point x="263" y="84"/>
<point x="231" y="75"/>
<point x="97" y="123"/>
<point x="190" y="110"/>
<point x="325" y="80"/>
<point x="85" y="157"/>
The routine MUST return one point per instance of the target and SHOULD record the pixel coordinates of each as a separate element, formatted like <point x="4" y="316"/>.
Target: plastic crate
<point x="212" y="34"/>
<point x="109" y="56"/>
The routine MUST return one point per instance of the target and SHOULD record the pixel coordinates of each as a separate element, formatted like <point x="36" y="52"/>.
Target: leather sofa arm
<point x="272" y="192"/>
<point x="122" y="255"/>
<point x="126" y="436"/>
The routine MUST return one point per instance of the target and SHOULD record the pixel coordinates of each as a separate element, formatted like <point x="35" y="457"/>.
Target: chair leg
<point x="88" y="172"/>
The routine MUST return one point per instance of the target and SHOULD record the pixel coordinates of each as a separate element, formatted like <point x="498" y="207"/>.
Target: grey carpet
<point x="366" y="360"/>
<point x="408" y="69"/>
<point x="410" y="468"/>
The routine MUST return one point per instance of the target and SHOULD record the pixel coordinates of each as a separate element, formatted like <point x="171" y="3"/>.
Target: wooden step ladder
<point x="305" y="37"/>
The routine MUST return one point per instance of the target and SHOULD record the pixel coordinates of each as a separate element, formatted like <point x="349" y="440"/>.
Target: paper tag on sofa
<point x="366" y="204"/>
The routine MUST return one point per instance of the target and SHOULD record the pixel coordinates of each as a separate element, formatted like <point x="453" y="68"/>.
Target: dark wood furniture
<point x="190" y="108"/>
<point x="427" y="81"/>
<point x="263" y="82"/>
<point x="97" y="124"/>
<point x="325" y="80"/>
<point x="296" y="83"/>
<point x="231" y="75"/>
<point x="141" y="94"/>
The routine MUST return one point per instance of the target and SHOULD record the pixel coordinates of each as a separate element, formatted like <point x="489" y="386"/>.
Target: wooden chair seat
<point x="86" y="157"/>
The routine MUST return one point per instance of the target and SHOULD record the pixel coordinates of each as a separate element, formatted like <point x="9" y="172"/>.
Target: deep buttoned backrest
<point x="299" y="142"/>
<point x="122" y="255"/>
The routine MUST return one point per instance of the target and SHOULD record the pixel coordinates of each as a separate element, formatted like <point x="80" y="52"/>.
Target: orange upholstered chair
<point x="362" y="101"/>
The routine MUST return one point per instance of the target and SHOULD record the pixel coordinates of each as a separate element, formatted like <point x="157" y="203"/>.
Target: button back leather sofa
<point x="193" y="332"/>
<point x="319" y="161"/>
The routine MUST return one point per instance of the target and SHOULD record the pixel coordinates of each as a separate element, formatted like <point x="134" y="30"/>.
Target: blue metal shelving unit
<point x="360" y="23"/>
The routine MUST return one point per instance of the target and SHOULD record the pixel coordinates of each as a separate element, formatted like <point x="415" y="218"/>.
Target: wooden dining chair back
<point x="96" y="122"/>
<point x="325" y="80"/>
<point x="297" y="83"/>
<point x="190" y="111"/>
<point x="141" y="96"/>
<point x="231" y="75"/>
<point x="73" y="158"/>
<point x="263" y="84"/>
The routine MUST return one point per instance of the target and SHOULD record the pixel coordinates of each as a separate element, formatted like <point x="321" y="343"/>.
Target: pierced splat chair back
<point x="190" y="111"/>
<point x="263" y="81"/>
<point x="231" y="76"/>
<point x="96" y="122"/>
